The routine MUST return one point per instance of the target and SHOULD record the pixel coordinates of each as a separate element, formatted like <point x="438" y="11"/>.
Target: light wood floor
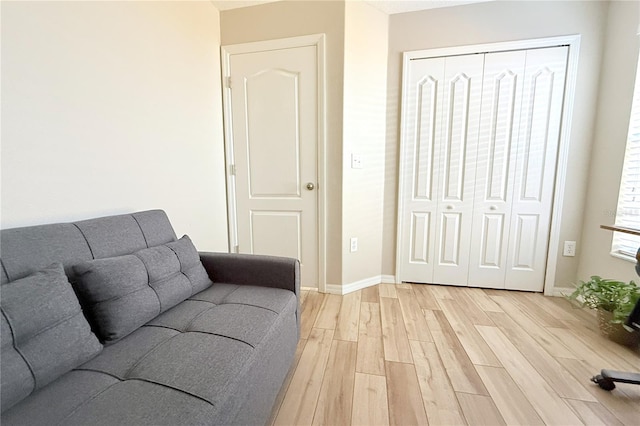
<point x="411" y="354"/>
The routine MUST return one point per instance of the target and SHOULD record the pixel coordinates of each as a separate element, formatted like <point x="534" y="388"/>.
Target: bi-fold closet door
<point x="480" y="143"/>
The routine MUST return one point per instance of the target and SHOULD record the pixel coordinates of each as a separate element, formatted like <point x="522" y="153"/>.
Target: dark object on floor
<point x="607" y="378"/>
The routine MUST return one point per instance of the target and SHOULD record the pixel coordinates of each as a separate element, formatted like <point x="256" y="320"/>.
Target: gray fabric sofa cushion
<point x="187" y="366"/>
<point x="122" y="293"/>
<point x="44" y="333"/>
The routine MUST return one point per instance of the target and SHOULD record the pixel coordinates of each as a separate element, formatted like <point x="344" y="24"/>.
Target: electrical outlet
<point x="354" y="244"/>
<point x="569" y="248"/>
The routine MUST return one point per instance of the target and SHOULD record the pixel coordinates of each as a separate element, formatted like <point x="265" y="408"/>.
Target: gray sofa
<point x="115" y="321"/>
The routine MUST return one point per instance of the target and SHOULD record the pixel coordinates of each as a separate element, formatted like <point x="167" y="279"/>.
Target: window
<point x="628" y="212"/>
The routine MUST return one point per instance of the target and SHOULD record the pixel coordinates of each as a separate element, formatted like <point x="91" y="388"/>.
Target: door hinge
<point x="232" y="169"/>
<point x="227" y="82"/>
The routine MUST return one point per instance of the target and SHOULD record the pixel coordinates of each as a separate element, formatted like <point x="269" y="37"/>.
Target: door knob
<point x="493" y="208"/>
<point x="449" y="207"/>
<point x="310" y="186"/>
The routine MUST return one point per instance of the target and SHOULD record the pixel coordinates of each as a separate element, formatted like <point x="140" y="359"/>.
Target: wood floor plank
<point x="287" y="381"/>
<point x="405" y="400"/>
<point x="551" y="408"/>
<point x="370" y="323"/>
<point x="480" y="410"/>
<point x="303" y="296"/>
<point x="624" y="407"/>
<point x="593" y="413"/>
<point x="425" y="298"/>
<point x="370" y="402"/>
<point x="475" y="346"/>
<point x="461" y="372"/>
<point x="406" y="286"/>
<point x="440" y="291"/>
<point x="387" y="290"/>
<point x="348" y="317"/>
<point x="329" y="311"/>
<point x="547" y="366"/>
<point x="394" y="334"/>
<point x="310" y="309"/>
<point x="438" y="396"/>
<point x="533" y="308"/>
<point x="326" y="385"/>
<point x="509" y="399"/>
<point x="370" y="357"/>
<point x="414" y="320"/>
<point x="472" y="311"/>
<point x="546" y="303"/>
<point x="577" y="312"/>
<point x="623" y="356"/>
<point x="432" y="321"/>
<point x="336" y="394"/>
<point x="371" y="294"/>
<point x="541" y="335"/>
<point x="300" y="402"/>
<point x="483" y="301"/>
<point x="596" y="356"/>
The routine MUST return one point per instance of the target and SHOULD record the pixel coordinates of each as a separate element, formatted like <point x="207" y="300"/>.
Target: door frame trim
<point x="317" y="40"/>
<point x="573" y="41"/>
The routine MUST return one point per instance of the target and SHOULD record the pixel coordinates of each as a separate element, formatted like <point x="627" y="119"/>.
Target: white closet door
<point x="457" y="166"/>
<point x="480" y="143"/>
<point x="423" y="94"/>
<point x="495" y="173"/>
<point x="540" y="121"/>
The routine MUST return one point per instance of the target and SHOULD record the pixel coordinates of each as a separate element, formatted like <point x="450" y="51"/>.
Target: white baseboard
<point x="561" y="291"/>
<point x="359" y="285"/>
<point x="388" y="279"/>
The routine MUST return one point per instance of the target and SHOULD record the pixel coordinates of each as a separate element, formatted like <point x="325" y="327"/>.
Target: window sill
<point x="623" y="256"/>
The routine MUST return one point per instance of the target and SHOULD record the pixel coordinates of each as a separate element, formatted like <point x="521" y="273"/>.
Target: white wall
<point x="612" y="124"/>
<point x="364" y="125"/>
<point x="113" y="107"/>
<point x="499" y="21"/>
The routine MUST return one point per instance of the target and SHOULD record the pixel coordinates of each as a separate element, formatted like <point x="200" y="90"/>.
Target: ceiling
<point x="389" y="7"/>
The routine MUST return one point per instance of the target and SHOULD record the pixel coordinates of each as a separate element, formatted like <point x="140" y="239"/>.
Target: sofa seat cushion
<point x="93" y="398"/>
<point x="262" y="297"/>
<point x="190" y="365"/>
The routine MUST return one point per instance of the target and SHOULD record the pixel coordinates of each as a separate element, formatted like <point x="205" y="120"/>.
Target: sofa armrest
<point x="250" y="269"/>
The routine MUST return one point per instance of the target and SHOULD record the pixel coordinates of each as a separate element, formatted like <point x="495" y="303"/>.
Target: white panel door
<point x="422" y="127"/>
<point x="540" y="121"/>
<point x="275" y="130"/>
<point x="457" y="167"/>
<point x="495" y="171"/>
<point x="440" y="139"/>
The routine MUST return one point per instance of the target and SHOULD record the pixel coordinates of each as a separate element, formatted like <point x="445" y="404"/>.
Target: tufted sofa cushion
<point x="122" y="293"/>
<point x="193" y="363"/>
<point x="44" y="333"/>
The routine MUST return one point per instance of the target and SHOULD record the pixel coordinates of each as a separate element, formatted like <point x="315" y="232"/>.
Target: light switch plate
<point x="356" y="161"/>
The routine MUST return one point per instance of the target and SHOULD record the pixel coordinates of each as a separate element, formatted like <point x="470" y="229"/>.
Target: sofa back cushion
<point x="123" y="293"/>
<point x="29" y="249"/>
<point x="43" y="333"/>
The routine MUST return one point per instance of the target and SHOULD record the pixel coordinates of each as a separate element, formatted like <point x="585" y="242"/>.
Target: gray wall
<point x="612" y="123"/>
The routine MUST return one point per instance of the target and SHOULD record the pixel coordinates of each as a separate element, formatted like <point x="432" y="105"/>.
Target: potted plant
<point x="613" y="301"/>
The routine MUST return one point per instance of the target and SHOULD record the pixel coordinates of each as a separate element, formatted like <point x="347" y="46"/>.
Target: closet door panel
<point x="543" y="97"/>
<point x="421" y="132"/>
<point x="495" y="171"/>
<point x="458" y="141"/>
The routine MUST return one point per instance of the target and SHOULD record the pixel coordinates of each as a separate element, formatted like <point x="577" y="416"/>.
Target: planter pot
<point x="616" y="332"/>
